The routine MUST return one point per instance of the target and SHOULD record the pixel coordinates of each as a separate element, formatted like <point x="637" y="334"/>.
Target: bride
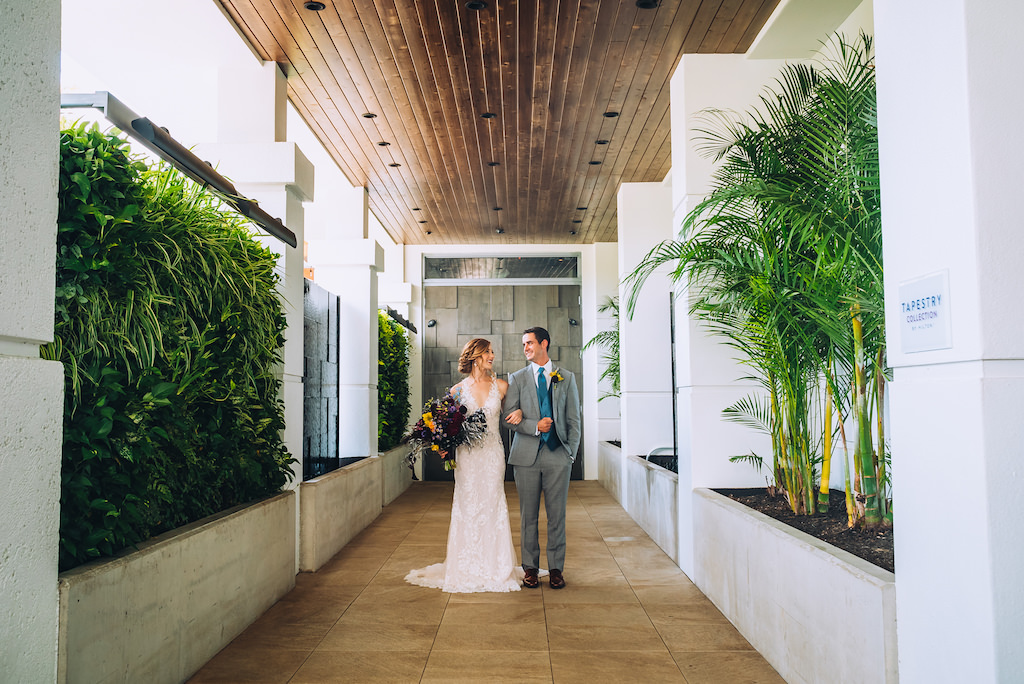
<point x="480" y="555"/>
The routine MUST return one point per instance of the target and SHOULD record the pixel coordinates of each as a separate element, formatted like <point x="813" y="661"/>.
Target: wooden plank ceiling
<point x="510" y="124"/>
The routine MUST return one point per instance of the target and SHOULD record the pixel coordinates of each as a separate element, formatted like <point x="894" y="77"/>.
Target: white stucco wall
<point x="605" y="285"/>
<point x="31" y="390"/>
<point x="952" y="152"/>
<point x="645" y="338"/>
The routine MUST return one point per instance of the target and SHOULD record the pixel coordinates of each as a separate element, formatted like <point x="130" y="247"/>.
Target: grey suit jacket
<point x="565" y="405"/>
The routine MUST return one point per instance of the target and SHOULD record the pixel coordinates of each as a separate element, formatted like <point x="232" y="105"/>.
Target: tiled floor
<point x="627" y="615"/>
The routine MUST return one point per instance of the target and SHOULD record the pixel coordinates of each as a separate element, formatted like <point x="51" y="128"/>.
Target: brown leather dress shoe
<point x="531" y="581"/>
<point x="556" y="580"/>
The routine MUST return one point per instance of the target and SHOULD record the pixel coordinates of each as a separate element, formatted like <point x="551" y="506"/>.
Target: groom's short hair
<point x="540" y="333"/>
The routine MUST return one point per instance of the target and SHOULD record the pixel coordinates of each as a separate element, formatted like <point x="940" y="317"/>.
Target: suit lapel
<point x="530" y="388"/>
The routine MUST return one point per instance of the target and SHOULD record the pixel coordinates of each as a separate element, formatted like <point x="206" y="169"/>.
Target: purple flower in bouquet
<point x="445" y="425"/>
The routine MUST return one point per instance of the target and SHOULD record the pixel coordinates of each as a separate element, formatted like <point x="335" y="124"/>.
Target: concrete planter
<point x="157" y="614"/>
<point x="609" y="468"/>
<point x="395" y="474"/>
<point x="815" y="612"/>
<point x="334" y="508"/>
<point x="652" y="500"/>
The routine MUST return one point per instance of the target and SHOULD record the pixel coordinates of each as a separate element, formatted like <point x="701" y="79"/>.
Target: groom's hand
<point x="544" y="425"/>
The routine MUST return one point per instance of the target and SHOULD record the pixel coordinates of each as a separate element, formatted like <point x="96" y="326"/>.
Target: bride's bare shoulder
<point x="502" y="386"/>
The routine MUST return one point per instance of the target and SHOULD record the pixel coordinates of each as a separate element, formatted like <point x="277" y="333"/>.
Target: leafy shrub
<point x="169" y="328"/>
<point x="392" y="383"/>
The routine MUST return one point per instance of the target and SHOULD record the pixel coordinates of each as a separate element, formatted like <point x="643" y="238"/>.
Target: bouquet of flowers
<point x="445" y="425"/>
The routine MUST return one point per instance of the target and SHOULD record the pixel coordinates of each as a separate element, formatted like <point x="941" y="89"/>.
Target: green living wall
<point x="392" y="382"/>
<point x="169" y="328"/>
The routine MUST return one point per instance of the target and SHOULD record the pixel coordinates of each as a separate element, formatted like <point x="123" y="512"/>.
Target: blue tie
<point x="544" y="400"/>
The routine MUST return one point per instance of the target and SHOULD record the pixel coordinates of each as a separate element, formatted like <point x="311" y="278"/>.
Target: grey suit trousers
<point x="548" y="475"/>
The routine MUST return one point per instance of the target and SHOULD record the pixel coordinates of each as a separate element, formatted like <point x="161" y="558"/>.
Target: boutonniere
<point x="556" y="377"/>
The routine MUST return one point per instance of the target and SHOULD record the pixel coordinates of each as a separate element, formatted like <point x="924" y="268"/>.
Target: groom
<point x="543" y="449"/>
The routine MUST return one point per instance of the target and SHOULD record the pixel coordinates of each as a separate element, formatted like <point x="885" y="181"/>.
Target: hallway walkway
<point x="627" y="615"/>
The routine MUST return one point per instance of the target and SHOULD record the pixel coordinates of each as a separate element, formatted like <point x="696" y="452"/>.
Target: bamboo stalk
<point x="880" y="410"/>
<point x="851" y="507"/>
<point x="826" y="452"/>
<point x="869" y="477"/>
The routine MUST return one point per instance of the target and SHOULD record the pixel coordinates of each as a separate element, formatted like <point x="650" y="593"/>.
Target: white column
<point x="31" y="390"/>
<point x="950" y="93"/>
<point x="708" y="373"/>
<point x="645" y="347"/>
<point x="251" y="126"/>
<point x="600" y="276"/>
<point x="348" y="265"/>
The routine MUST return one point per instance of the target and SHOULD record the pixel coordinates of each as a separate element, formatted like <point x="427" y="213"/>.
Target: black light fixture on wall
<point x="160" y="142"/>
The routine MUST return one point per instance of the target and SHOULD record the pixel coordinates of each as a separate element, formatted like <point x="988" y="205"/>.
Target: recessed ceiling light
<point x="430" y="232"/>
<point x="383" y="143"/>
<point x="422" y="221"/>
<point x="488" y="115"/>
<point x="499" y="231"/>
<point x="600" y="142"/>
<point x="416" y="209"/>
<point x="610" y="115"/>
<point x="497" y="208"/>
<point x="494" y="163"/>
<point x="595" y="163"/>
<point x="476" y="4"/>
<point x="315" y="6"/>
<point x="581" y="208"/>
<point x="577" y="221"/>
<point x="572" y="232"/>
<point x="394" y="165"/>
<point x="369" y="115"/>
<point x="648" y="4"/>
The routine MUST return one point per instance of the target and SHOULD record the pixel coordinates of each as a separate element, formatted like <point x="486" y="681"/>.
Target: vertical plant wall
<point x="169" y="328"/>
<point x="392" y="382"/>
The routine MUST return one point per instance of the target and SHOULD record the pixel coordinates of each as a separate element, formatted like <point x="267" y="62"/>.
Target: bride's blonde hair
<point x="473" y="350"/>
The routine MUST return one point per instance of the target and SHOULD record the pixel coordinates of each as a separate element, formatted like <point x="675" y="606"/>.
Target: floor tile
<point x="307" y="609"/>
<point x="588" y="594"/>
<point x="696" y="610"/>
<point x="361" y="636"/>
<point x="239" y="662"/>
<point x="488" y="666"/>
<point x="521" y="597"/>
<point x="702" y="636"/>
<point x="679" y="592"/>
<point x="485" y="614"/>
<point x="471" y="638"/>
<point x="726" y="668"/>
<point x="365" y="667"/>
<point x="269" y="634"/>
<point x="614" y="666"/>
<point x="373" y="611"/>
<point x="596" y="614"/>
<point x="635" y="637"/>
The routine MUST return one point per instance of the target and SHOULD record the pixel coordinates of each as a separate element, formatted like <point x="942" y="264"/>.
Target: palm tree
<point x="784" y="259"/>
<point x="609" y="341"/>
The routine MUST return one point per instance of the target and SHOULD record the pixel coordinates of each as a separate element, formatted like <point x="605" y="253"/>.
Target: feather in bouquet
<point x="445" y="425"/>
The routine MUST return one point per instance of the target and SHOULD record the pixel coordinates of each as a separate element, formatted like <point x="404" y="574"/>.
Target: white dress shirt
<point x="534" y="367"/>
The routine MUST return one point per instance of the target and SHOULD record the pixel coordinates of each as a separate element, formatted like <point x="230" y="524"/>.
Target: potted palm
<point x="783" y="259"/>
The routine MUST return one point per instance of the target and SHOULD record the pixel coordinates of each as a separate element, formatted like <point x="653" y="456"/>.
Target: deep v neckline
<point x="481" y="404"/>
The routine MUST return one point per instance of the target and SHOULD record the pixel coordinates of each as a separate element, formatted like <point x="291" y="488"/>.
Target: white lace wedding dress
<point x="480" y="555"/>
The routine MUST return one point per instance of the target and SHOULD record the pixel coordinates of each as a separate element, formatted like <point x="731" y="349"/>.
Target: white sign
<point x="924" y="314"/>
